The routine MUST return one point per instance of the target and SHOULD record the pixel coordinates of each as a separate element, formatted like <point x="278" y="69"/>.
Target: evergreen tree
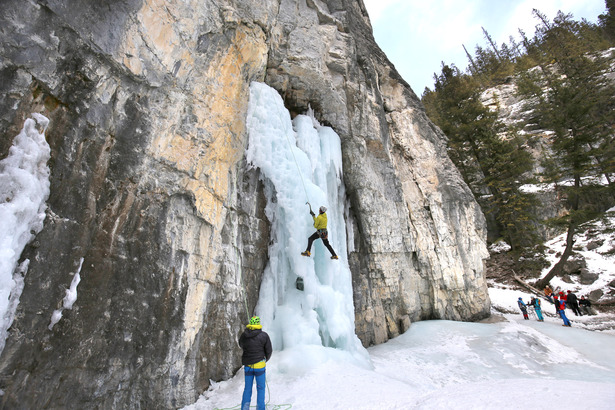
<point x="491" y="165"/>
<point x="607" y="21"/>
<point x="565" y="58"/>
<point x="573" y="97"/>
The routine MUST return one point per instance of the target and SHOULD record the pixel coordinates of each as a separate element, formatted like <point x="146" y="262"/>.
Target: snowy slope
<point x="439" y="364"/>
<point x="600" y="260"/>
<point x="595" y="242"/>
<point x="509" y="364"/>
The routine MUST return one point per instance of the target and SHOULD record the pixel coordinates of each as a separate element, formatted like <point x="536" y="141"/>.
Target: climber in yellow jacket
<point x="320" y="223"/>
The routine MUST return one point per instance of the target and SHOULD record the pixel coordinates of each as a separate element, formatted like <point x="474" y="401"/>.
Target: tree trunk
<point x="572" y="228"/>
<point x="557" y="268"/>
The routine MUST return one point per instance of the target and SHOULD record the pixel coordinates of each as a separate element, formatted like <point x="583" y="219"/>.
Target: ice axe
<point x="311" y="212"/>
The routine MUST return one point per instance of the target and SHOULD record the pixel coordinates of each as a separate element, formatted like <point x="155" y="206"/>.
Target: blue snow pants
<point x="562" y="314"/>
<point x="539" y="314"/>
<point x="250" y="375"/>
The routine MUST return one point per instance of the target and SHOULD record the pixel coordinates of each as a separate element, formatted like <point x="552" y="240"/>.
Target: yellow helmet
<point x="255" y="320"/>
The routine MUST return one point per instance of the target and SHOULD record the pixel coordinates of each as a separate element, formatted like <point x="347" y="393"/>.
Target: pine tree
<point x="491" y="165"/>
<point x="607" y="21"/>
<point x="574" y="98"/>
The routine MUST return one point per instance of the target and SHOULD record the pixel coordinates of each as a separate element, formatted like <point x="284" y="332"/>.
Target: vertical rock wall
<point x="147" y="102"/>
<point x="419" y="235"/>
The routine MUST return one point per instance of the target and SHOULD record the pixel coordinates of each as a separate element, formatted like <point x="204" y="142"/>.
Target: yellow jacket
<point x="320" y="221"/>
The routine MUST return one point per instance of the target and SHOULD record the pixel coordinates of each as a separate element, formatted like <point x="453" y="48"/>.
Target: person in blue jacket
<point x="523" y="308"/>
<point x="537" y="308"/>
<point x="257" y="351"/>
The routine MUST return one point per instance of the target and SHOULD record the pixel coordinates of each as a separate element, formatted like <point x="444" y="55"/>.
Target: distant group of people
<point x="561" y="301"/>
<point x="578" y="306"/>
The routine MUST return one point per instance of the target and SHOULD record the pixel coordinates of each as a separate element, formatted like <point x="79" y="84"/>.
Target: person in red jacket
<point x="257" y="351"/>
<point x="563" y="296"/>
<point x="562" y="312"/>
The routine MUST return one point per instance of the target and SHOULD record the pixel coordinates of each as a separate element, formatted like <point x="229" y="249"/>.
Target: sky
<point x="417" y="35"/>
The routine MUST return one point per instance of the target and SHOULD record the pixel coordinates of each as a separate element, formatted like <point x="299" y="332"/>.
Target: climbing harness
<point x="323" y="233"/>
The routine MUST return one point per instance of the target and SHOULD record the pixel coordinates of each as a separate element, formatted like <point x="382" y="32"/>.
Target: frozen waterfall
<point x="24" y="183"/>
<point x="301" y="161"/>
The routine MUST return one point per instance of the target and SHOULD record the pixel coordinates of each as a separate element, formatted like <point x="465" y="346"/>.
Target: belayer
<point x="257" y="351"/>
<point x="320" y="223"/>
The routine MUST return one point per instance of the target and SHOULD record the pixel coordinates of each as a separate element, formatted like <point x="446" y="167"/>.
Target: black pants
<point x="324" y="241"/>
<point x="574" y="306"/>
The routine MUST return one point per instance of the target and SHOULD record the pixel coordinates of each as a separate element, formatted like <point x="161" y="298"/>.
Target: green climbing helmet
<point x="255" y="320"/>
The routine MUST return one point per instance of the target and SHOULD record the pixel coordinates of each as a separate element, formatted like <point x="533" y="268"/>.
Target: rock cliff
<point x="147" y="104"/>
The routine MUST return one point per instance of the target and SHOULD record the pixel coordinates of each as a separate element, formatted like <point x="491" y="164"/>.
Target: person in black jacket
<point x="257" y="350"/>
<point x="573" y="303"/>
<point x="586" y="306"/>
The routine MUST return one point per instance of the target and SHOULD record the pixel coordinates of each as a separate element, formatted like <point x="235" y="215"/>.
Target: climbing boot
<point x="334" y="257"/>
<point x="306" y="253"/>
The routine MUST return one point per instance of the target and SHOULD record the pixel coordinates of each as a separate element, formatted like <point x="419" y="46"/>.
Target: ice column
<point x="24" y="188"/>
<point x="301" y="161"/>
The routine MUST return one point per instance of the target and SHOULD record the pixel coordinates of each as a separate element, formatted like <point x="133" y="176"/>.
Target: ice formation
<point x="301" y="161"/>
<point x="24" y="188"/>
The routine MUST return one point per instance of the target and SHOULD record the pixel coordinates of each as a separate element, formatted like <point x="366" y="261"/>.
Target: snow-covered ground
<point x="510" y="363"/>
<point x="442" y="364"/>
<point x="594" y="243"/>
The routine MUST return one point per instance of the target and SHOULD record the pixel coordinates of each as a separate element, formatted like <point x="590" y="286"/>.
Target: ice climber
<point x="320" y="223"/>
<point x="257" y="350"/>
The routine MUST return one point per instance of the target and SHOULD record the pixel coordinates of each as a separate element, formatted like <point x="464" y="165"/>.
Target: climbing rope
<point x="284" y="406"/>
<point x="299" y="170"/>
<point x="243" y="289"/>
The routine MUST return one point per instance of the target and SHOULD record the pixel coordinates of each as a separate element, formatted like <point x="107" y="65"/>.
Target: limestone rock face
<point x="147" y="101"/>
